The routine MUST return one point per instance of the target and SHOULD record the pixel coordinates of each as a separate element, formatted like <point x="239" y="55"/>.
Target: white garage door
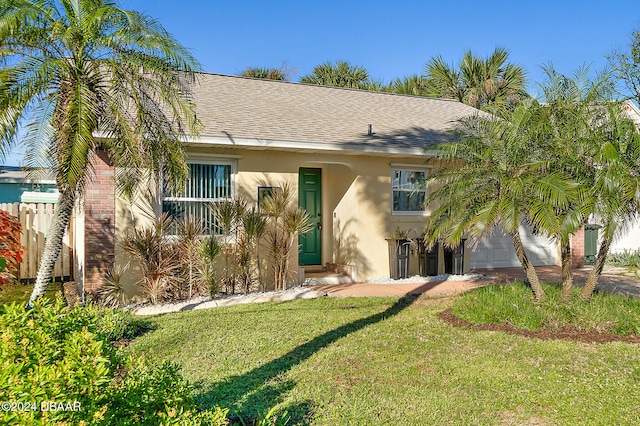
<point x="498" y="252"/>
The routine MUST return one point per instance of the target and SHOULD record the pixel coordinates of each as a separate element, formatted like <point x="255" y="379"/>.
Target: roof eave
<point x="353" y="148"/>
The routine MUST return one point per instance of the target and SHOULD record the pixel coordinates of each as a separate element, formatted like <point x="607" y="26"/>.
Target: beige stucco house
<point x="355" y="157"/>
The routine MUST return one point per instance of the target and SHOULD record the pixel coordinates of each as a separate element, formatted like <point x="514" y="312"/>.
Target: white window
<point x="207" y="182"/>
<point x="408" y="190"/>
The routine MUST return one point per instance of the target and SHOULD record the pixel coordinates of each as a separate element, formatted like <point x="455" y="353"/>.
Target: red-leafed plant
<point x="11" y="251"/>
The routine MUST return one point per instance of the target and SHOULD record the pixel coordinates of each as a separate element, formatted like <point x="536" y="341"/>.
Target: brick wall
<point x="99" y="213"/>
<point x="577" y="249"/>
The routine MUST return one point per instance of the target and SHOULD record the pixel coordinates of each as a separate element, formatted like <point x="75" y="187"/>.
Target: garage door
<point x="498" y="252"/>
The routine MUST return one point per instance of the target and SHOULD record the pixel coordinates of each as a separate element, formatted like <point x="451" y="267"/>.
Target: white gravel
<point x="420" y="279"/>
<point x="279" y="296"/>
<point x="208" y="302"/>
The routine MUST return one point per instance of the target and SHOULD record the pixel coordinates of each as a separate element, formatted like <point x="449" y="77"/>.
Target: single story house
<point x="355" y="158"/>
<point x="16" y="185"/>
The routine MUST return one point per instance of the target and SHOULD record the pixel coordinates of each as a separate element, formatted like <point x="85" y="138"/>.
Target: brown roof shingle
<point x="237" y="107"/>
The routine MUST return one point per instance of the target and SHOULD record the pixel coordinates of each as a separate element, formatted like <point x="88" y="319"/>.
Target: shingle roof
<point x="236" y="107"/>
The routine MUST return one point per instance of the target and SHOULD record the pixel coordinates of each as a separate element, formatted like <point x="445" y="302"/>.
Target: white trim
<point x="410" y="168"/>
<point x="27" y="181"/>
<point x="356" y="147"/>
<point x="403" y="213"/>
<point x="207" y="158"/>
<point x="363" y="147"/>
<point x="202" y="200"/>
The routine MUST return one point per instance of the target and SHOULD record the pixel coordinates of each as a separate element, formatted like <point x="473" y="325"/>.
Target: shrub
<point x="11" y="251"/>
<point x="53" y="354"/>
<point x="111" y="292"/>
<point x="625" y="259"/>
<point x="157" y="258"/>
<point x="514" y="304"/>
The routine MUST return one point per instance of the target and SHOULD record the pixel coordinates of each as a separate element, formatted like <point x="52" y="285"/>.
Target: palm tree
<point x="82" y="76"/>
<point x="340" y="74"/>
<point x="616" y="159"/>
<point x="492" y="178"/>
<point x="591" y="139"/>
<point x="490" y="84"/>
<point x="414" y="85"/>
<point x="266" y="73"/>
<point x="565" y="124"/>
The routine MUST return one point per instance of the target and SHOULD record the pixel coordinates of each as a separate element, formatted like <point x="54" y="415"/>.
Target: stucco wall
<point x="356" y="196"/>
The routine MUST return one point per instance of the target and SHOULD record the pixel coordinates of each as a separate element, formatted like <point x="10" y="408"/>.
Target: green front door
<point x="310" y="199"/>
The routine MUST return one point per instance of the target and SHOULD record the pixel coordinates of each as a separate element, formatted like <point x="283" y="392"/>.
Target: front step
<point x="326" y="278"/>
<point x="312" y="269"/>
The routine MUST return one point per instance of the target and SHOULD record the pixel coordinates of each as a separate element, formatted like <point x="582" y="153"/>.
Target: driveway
<point x="608" y="282"/>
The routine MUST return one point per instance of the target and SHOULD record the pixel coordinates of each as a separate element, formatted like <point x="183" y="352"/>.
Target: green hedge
<point x="59" y="366"/>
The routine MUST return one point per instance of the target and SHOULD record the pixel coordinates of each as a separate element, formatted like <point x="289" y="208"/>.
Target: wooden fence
<point x="35" y="219"/>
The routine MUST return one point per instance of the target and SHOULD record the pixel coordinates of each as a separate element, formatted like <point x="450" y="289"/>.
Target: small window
<point x="206" y="183"/>
<point x="409" y="190"/>
<point x="265" y="192"/>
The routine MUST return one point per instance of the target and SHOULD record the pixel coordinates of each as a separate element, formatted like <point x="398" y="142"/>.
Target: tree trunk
<point x="594" y="275"/>
<point x="53" y="244"/>
<point x="567" y="278"/>
<point x="529" y="270"/>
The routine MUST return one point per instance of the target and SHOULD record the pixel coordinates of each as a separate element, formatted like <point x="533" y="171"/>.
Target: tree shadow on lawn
<point x="252" y="394"/>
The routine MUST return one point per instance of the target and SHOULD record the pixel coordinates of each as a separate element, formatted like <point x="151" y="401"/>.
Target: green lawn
<point x="20" y="293"/>
<point x="373" y="361"/>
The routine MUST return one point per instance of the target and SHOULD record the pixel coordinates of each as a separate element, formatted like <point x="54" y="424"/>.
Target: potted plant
<point x="399" y="249"/>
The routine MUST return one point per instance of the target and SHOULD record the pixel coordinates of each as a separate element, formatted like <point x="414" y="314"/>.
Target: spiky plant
<point x="228" y="215"/>
<point x="286" y="222"/>
<point x="189" y="230"/>
<point x="111" y="292"/>
<point x="157" y="259"/>
<point x="208" y="252"/>
<point x="253" y="228"/>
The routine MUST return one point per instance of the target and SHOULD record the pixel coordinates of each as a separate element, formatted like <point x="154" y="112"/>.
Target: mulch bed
<point x="565" y="333"/>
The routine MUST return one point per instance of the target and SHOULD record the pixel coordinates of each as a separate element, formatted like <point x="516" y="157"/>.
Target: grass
<point x="364" y="361"/>
<point x="20" y="293"/>
<point x="625" y="259"/>
<point x="513" y="304"/>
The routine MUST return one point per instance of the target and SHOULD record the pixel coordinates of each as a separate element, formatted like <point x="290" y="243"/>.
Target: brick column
<point x="99" y="220"/>
<point x="577" y="248"/>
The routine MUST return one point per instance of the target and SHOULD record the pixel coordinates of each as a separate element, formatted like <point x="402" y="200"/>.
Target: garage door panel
<point x="498" y="252"/>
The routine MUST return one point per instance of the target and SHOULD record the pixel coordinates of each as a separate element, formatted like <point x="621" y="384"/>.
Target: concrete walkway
<point x="443" y="288"/>
<point x="551" y="274"/>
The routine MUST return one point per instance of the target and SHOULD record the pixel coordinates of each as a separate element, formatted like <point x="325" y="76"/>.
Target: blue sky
<point x="394" y="38"/>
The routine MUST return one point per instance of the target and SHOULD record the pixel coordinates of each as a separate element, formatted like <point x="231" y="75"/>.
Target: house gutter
<point x="346" y="148"/>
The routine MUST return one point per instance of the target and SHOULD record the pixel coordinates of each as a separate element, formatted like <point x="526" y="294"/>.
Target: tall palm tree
<point x="86" y="75"/>
<point x="491" y="178"/>
<point x="490" y="84"/>
<point x="340" y="74"/>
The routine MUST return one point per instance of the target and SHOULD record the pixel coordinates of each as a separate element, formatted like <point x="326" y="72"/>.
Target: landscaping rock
<point x="207" y="303"/>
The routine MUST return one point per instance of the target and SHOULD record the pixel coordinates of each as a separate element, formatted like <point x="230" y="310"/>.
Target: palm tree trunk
<point x="594" y="275"/>
<point x="529" y="270"/>
<point x="53" y="244"/>
<point x="567" y="278"/>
